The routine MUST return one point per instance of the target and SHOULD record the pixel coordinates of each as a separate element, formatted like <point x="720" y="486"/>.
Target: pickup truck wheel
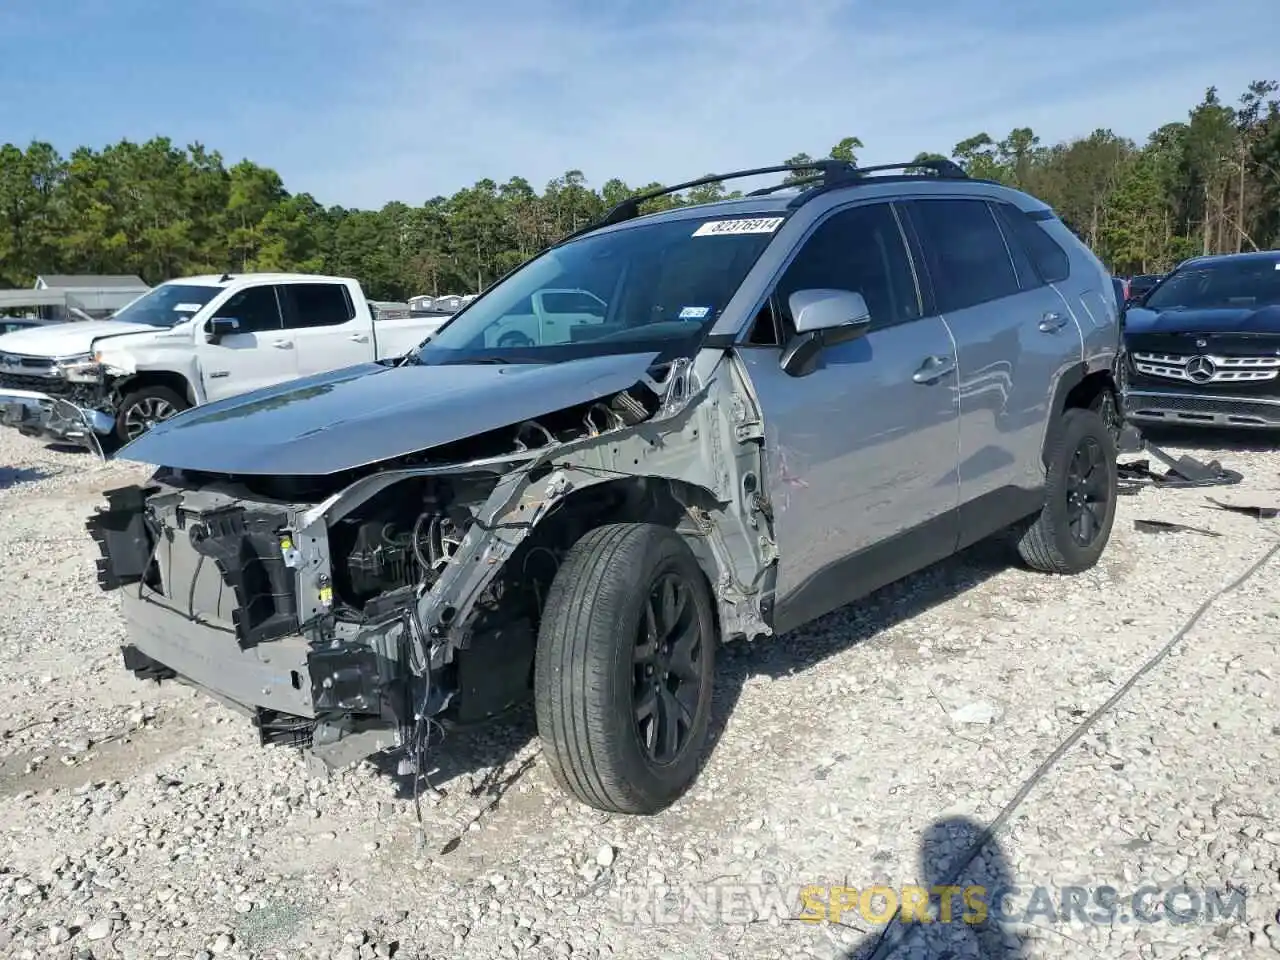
<point x="1072" y="530"/>
<point x="514" y="339"/>
<point x="142" y="409"/>
<point x="623" y="674"/>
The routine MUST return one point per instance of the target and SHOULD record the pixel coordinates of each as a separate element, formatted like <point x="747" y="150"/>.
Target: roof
<point x="32" y="298"/>
<point x="784" y="202"/>
<point x="1259" y="256"/>
<point x="86" y="281"/>
<point x="216" y="279"/>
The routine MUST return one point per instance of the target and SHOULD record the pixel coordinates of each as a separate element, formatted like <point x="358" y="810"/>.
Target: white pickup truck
<point x="548" y="317"/>
<point x="188" y="342"/>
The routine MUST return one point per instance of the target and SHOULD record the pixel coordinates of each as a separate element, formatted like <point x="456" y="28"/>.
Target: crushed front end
<point x="56" y="399"/>
<point x="345" y="613"/>
<point x="307" y="626"/>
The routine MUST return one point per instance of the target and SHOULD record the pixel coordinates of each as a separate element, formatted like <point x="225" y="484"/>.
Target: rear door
<point x="258" y="355"/>
<point x="1014" y="338"/>
<point x="327" y="329"/>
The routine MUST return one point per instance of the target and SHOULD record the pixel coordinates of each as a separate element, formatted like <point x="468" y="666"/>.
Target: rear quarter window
<point x="1048" y="257"/>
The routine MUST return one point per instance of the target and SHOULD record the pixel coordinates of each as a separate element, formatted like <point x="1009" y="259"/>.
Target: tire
<point x="141" y="404"/>
<point x="513" y="340"/>
<point x="590" y="688"/>
<point x="1049" y="543"/>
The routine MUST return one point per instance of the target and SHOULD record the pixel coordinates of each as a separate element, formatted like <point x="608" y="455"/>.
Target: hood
<point x="1218" y="320"/>
<point x="72" y="339"/>
<point x="361" y="415"/>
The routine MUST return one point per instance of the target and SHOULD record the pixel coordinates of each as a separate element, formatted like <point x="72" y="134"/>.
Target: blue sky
<point x="363" y="101"/>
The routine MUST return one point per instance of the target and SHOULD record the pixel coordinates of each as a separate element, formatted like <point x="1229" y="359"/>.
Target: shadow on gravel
<point x="494" y="746"/>
<point x="850" y="626"/>
<point x="16" y="476"/>
<point x="976" y="926"/>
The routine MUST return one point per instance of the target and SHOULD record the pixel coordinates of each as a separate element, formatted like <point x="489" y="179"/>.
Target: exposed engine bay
<point x="345" y="612"/>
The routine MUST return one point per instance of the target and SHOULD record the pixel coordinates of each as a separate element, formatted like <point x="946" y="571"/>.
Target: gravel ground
<point x="145" y="821"/>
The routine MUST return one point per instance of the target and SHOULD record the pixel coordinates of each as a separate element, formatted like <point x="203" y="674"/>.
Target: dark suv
<point x="784" y="402"/>
<point x="1204" y="346"/>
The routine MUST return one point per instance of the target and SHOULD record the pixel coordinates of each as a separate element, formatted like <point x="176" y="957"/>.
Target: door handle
<point x="1052" y="322"/>
<point x="359" y="338"/>
<point x="282" y="344"/>
<point x="933" y="369"/>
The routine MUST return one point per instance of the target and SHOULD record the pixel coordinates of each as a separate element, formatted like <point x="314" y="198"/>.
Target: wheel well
<point x="1084" y="393"/>
<point x="1077" y="389"/>
<point x="517" y="594"/>
<point x="522" y="585"/>
<point x="156" y="378"/>
<point x="625" y="500"/>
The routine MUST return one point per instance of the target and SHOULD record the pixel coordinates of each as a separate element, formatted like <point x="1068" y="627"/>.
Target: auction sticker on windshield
<point x="715" y="228"/>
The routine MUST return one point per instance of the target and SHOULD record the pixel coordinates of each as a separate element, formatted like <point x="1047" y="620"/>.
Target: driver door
<point x="259" y="354"/>
<point x="862" y="451"/>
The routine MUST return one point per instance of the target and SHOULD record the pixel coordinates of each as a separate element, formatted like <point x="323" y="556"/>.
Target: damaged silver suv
<point x="666" y="432"/>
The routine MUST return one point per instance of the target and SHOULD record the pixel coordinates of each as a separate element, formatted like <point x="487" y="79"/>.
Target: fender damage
<point x="344" y="612"/>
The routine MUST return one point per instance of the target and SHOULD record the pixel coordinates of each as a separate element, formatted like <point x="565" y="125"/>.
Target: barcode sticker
<point x="717" y="228"/>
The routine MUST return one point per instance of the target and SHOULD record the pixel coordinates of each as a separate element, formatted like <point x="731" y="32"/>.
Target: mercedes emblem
<point x="1200" y="369"/>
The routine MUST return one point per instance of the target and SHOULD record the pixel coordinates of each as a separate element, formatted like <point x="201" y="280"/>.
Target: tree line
<point x="1206" y="184"/>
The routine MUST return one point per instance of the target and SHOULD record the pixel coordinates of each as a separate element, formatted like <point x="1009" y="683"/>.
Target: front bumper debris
<point x="46" y="417"/>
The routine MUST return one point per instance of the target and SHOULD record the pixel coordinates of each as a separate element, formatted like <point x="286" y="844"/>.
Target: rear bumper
<point x="1192" y="409"/>
<point x="53" y="418"/>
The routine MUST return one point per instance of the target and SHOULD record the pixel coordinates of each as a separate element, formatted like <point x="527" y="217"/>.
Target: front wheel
<point x="142" y="409"/>
<point x="1081" y="487"/>
<point x="623" y="675"/>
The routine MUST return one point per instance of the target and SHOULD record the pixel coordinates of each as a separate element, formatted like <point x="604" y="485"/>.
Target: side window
<point x="1028" y="275"/>
<point x="862" y="250"/>
<point x="577" y="301"/>
<point x="1051" y="261"/>
<point x="318" y="305"/>
<point x="256" y="308"/>
<point x="968" y="260"/>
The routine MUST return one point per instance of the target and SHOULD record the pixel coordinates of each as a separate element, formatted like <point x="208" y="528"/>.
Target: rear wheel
<point x="623" y="677"/>
<point x="1073" y="528"/>
<point x="142" y="409"/>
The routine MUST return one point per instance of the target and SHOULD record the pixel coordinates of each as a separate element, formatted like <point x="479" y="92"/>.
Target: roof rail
<point x="832" y="174"/>
<point x="941" y="167"/>
<point x="833" y="171"/>
<point x="786" y="185"/>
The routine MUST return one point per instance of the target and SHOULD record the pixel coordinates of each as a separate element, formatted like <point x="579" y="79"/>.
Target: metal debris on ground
<point x="1183" y="471"/>
<point x="1164" y="526"/>
<point x="1247" y="510"/>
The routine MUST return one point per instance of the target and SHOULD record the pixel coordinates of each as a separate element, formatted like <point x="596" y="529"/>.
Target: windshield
<point x="1225" y="285"/>
<point x="647" y="287"/>
<point x="167" y="305"/>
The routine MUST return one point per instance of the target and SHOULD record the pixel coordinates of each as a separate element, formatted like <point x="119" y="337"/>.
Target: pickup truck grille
<point x="53" y="386"/>
<point x="22" y="372"/>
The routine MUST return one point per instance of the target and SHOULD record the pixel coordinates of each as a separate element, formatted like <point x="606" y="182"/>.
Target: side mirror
<point x="823" y="318"/>
<point x="219" y="327"/>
